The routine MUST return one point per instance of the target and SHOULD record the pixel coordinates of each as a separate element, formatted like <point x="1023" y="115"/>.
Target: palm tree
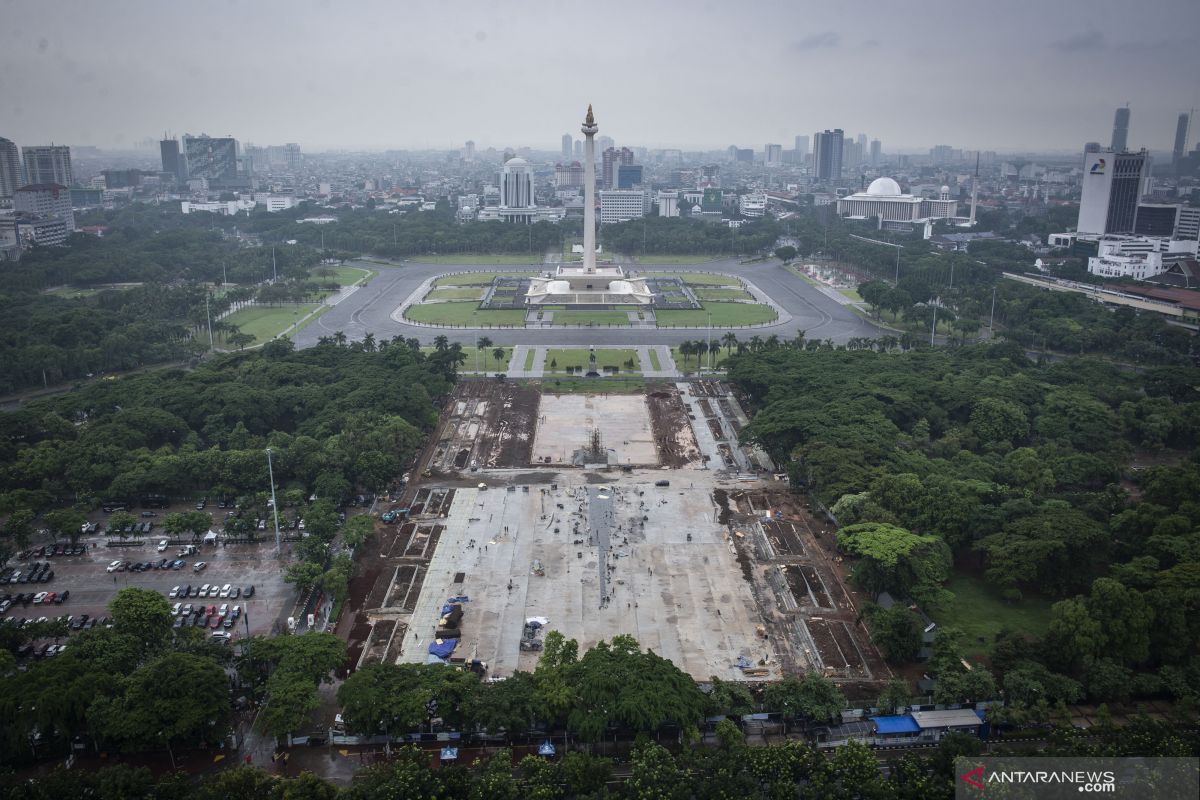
<point x="755" y="343"/>
<point x="798" y="340"/>
<point x="440" y="342"/>
<point x="772" y="343"/>
<point x="715" y="349"/>
<point x="368" y="342"/>
<point x="685" y="350"/>
<point x="339" y="338"/>
<point x="730" y="340"/>
<point x="700" y="348"/>
<point x="498" y="354"/>
<point x="484" y="343"/>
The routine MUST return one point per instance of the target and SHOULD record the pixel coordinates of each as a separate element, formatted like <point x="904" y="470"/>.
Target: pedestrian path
<point x="520" y="354"/>
<point x="662" y="353"/>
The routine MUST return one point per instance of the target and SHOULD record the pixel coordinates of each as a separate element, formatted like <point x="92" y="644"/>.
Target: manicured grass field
<point x="709" y="295"/>
<point x="348" y="276"/>
<point x="310" y="320"/>
<point x="487" y="362"/>
<point x="695" y="362"/>
<point x="591" y="318"/>
<point x="529" y="359"/>
<point x="463" y="314"/>
<point x="266" y="322"/>
<point x="693" y="258"/>
<point x="697" y="278"/>
<point x="617" y="385"/>
<point x="476" y="278"/>
<point x="578" y="357"/>
<point x="980" y="612"/>
<point x="654" y="362"/>
<point x="483" y="260"/>
<point x="852" y="294"/>
<point x="723" y="315"/>
<point x="456" y="293"/>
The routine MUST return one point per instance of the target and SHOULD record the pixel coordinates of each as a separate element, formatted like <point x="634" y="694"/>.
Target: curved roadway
<point x="370" y="310"/>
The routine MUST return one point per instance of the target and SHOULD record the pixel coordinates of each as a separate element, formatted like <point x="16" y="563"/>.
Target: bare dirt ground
<point x="677" y="448"/>
<point x="486" y="424"/>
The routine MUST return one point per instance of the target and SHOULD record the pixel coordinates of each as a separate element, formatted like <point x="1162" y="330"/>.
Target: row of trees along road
<point x="1021" y="475"/>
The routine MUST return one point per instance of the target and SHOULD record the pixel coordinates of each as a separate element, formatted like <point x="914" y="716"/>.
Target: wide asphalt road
<point x="371" y="309"/>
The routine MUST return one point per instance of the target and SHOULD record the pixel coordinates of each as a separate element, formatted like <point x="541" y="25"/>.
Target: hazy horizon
<point x="1024" y="76"/>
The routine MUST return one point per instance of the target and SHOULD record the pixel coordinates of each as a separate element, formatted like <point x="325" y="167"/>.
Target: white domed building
<point x="885" y="201"/>
<point x="517" y="200"/>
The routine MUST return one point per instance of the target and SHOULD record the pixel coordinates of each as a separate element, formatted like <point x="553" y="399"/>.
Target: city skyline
<point x="1007" y="84"/>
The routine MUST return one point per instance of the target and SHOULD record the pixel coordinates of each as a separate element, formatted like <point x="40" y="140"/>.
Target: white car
<point x="162" y="545"/>
<point x="175" y="609"/>
<point x="174" y="592"/>
<point x="225" y="590"/>
<point x="203" y="591"/>
<point x="223" y="610"/>
<point x="214" y="590"/>
<point x="113" y="566"/>
<point x="39" y="598"/>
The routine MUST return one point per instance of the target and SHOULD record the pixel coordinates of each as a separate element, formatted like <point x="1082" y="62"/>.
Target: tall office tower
<point x="1120" y="137"/>
<point x="801" y="150"/>
<point x="516" y="184"/>
<point x="1181" y="135"/>
<point x="47" y="200"/>
<point x="10" y="169"/>
<point x="578" y="149"/>
<point x="295" y="158"/>
<point x="567" y="144"/>
<point x="876" y="152"/>
<point x="862" y="145"/>
<point x="827" y="155"/>
<point x="172" y="161"/>
<point x="1113" y="182"/>
<point x="468" y="152"/>
<point x="850" y="154"/>
<point x="773" y="154"/>
<point x="604" y="142"/>
<point x="214" y="159"/>
<point x="629" y="176"/>
<point x="48" y="164"/>
<point x="610" y="159"/>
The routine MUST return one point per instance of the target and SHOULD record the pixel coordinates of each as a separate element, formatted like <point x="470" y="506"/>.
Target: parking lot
<point x="91" y="587"/>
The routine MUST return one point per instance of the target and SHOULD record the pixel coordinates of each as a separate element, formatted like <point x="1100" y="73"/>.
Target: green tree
<point x="65" y="522"/>
<point x="895" y="560"/>
<point x="143" y="614"/>
<point x="896" y="631"/>
<point x="357" y="530"/>
<point x="303" y="574"/>
<point x="19" y="526"/>
<point x="811" y="696"/>
<point x="895" y="695"/>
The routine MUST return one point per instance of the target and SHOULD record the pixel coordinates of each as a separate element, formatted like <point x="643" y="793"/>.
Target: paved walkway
<point x="516" y="367"/>
<point x="666" y="366"/>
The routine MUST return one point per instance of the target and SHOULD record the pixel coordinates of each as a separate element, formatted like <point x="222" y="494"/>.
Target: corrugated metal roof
<point x="949" y="718"/>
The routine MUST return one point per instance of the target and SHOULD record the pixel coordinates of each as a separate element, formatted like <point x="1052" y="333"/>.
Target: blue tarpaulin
<point x="546" y="748"/>
<point x="444" y="648"/>
<point x="462" y="598"/>
<point x="902" y="724"/>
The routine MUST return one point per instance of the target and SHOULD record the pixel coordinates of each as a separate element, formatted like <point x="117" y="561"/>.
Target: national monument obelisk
<point x="589" y="130"/>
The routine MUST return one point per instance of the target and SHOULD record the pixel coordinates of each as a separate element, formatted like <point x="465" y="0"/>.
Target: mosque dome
<point x="945" y="190"/>
<point x="884" y="187"/>
<point x="516" y="162"/>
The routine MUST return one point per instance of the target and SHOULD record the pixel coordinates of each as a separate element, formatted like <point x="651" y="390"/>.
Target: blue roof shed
<point x="902" y="725"/>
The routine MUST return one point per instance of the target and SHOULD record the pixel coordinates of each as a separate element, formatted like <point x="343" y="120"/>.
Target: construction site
<point x="597" y="515"/>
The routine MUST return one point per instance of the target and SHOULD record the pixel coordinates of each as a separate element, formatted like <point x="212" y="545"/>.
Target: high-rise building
<point x="578" y="149"/>
<point x="516" y="184"/>
<point x="827" y="155"/>
<point x="773" y="154"/>
<point x="1113" y="182"/>
<point x="1120" y="135"/>
<point x="468" y="151"/>
<point x="610" y="159"/>
<point x="801" y="149"/>
<point x="567" y="143"/>
<point x="862" y="145"/>
<point x="629" y="176"/>
<point x="621" y="205"/>
<point x="876" y="152"/>
<point x="48" y="164"/>
<point x="46" y="200"/>
<point x="1181" y="135"/>
<point x="10" y="170"/>
<point x="568" y="176"/>
<point x="172" y="159"/>
<point x="851" y="156"/>
<point x="604" y="142"/>
<point x="213" y="159"/>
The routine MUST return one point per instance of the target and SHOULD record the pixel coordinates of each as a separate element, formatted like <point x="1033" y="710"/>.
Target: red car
<point x="214" y="621"/>
<point x="49" y="598"/>
<point x="211" y="610"/>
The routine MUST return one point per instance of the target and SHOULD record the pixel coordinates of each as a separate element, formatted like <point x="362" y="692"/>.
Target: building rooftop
<point x="948" y="718"/>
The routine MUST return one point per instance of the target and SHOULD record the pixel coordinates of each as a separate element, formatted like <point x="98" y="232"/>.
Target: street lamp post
<point x="274" y="505"/>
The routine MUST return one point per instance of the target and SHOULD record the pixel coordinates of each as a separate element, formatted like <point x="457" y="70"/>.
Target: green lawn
<point x="697" y="278"/>
<point x="348" y="276"/>
<point x="709" y="295"/>
<point x="722" y="315"/>
<point x="694" y="362"/>
<point x="529" y="359"/>
<point x="654" y="362"/>
<point x="463" y="314"/>
<point x="477" y="278"/>
<point x="618" y="385"/>
<point x="693" y="258"/>
<point x="979" y="611"/>
<point x="578" y="357"/>
<point x="266" y="322"/>
<point x="310" y="320"/>
<point x="851" y="294"/>
<point x="484" y="260"/>
<point x="591" y="318"/>
<point x="457" y="293"/>
<point x="487" y="362"/>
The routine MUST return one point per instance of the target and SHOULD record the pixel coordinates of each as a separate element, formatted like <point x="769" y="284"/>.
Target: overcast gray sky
<point x="1018" y="74"/>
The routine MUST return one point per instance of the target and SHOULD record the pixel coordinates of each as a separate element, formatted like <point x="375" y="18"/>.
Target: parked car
<point x="79" y="622"/>
<point x="179" y="621"/>
<point x="178" y="564"/>
<point x="228" y="623"/>
<point x="46" y="576"/>
<point x="61" y="598"/>
<point x="203" y="591"/>
<point x="236" y="592"/>
<point x="249" y="591"/>
<point x="174" y="592"/>
<point x="175" y="609"/>
<point x="224" y="609"/>
<point x="225" y="590"/>
<point x="47" y="597"/>
<point x="212" y="609"/>
<point x="187" y="610"/>
<point x="91" y="623"/>
<point x="199" y="621"/>
<point x="5" y="605"/>
<point x="236" y="612"/>
<point x="214" y="621"/>
<point x="200" y="565"/>
<point x="162" y="545"/>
